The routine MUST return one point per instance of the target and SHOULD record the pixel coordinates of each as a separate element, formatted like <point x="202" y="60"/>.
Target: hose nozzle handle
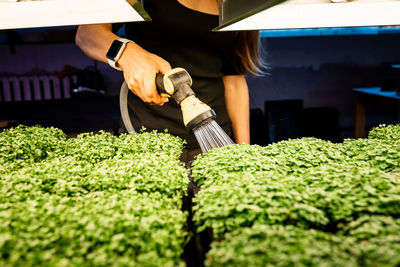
<point x="160" y="85"/>
<point x="175" y="83"/>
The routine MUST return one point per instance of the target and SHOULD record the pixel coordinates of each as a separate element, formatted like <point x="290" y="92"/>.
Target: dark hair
<point x="249" y="50"/>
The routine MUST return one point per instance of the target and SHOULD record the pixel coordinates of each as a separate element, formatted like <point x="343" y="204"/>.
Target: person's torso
<point x="184" y="38"/>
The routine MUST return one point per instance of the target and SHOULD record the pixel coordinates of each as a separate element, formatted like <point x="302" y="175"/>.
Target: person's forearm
<point x="237" y="105"/>
<point x="138" y="65"/>
<point x="95" y="40"/>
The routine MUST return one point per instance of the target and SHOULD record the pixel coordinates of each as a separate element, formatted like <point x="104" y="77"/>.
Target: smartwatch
<point x="115" y="51"/>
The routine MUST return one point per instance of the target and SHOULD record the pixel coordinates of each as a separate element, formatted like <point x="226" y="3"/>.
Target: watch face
<point x="114" y="49"/>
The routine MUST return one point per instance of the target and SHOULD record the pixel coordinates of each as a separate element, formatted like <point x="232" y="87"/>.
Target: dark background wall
<point x="323" y="71"/>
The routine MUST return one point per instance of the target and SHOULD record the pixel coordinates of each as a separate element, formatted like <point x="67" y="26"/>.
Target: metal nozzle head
<point x="201" y="119"/>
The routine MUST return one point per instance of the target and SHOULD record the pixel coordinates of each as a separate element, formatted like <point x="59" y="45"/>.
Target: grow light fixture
<point x="18" y="14"/>
<point x="237" y="15"/>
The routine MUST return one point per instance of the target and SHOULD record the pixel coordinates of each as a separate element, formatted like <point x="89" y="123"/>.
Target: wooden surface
<point x="3" y="124"/>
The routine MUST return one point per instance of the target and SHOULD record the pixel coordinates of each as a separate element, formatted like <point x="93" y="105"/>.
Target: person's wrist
<point x="126" y="58"/>
<point x="115" y="52"/>
<point x="123" y="59"/>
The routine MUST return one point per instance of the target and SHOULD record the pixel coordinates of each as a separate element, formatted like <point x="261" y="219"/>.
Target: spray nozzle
<point x="176" y="84"/>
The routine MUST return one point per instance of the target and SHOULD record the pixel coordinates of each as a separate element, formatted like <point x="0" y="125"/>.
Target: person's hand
<point x="140" y="68"/>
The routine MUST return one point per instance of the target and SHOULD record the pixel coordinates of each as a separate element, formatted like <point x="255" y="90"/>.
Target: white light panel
<point x="47" y="13"/>
<point x="297" y="14"/>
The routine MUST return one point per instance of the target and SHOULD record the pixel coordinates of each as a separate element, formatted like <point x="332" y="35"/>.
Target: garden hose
<point x="123" y="106"/>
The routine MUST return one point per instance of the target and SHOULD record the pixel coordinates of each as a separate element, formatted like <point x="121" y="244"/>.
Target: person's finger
<point x="150" y="92"/>
<point x="163" y="66"/>
<point x="138" y="93"/>
<point x="141" y="78"/>
<point x="157" y="99"/>
<point x="142" y="89"/>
